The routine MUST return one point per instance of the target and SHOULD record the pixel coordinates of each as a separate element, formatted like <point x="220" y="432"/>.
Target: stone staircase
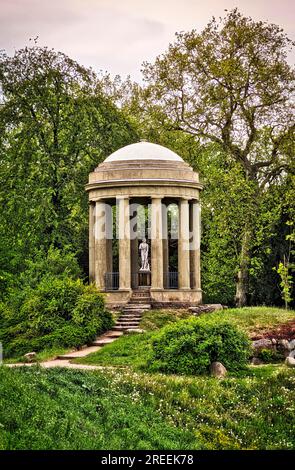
<point x="129" y="320"/>
<point x="132" y="312"/>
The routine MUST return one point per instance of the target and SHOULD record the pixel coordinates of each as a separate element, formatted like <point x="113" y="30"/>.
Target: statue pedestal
<point x="144" y="278"/>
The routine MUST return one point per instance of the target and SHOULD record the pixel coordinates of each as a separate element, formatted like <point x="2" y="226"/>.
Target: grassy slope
<point x="131" y="350"/>
<point x="67" y="409"/>
<point x="45" y="355"/>
<point x="127" y="409"/>
<point x="250" y="319"/>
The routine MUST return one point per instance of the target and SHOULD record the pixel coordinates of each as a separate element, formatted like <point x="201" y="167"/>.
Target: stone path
<point x="127" y="322"/>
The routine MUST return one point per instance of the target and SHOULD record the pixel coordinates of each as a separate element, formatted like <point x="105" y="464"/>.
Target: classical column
<point x="124" y="242"/>
<point x="157" y="243"/>
<point x="134" y="245"/>
<point x="100" y="244"/>
<point x="91" y="245"/>
<point x="109" y="237"/>
<point x="183" y="245"/>
<point x="195" y="228"/>
<point x="165" y="246"/>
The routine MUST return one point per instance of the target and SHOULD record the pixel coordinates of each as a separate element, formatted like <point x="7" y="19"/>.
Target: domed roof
<point x="143" y="151"/>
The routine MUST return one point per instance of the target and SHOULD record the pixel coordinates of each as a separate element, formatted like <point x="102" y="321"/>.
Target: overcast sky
<point x="118" y="35"/>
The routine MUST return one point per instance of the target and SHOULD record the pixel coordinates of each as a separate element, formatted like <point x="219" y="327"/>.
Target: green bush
<point x="59" y="312"/>
<point x="270" y="356"/>
<point x="190" y="346"/>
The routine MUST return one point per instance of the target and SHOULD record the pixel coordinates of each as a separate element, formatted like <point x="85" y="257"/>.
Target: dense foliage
<point x="190" y="346"/>
<point x="224" y="98"/>
<point x="56" y="125"/>
<point x="50" y="307"/>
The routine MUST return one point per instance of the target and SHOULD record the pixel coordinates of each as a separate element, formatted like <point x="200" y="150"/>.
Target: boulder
<point x="207" y="308"/>
<point x="283" y="346"/>
<point x="290" y="361"/>
<point x="263" y="343"/>
<point x="30" y="356"/>
<point x="292" y="354"/>
<point x="218" y="370"/>
<point x="292" y="344"/>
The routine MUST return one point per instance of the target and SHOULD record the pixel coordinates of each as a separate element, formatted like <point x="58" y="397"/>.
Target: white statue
<point x="144" y="253"/>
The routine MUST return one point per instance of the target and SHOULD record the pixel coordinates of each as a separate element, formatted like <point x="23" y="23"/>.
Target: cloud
<point x="118" y="35"/>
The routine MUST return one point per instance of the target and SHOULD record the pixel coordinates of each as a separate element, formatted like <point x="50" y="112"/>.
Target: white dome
<point x="143" y="151"/>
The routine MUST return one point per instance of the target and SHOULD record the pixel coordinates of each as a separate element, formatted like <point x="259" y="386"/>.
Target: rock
<point x="292" y="344"/>
<point x="262" y="344"/>
<point x="218" y="370"/>
<point x="256" y="361"/>
<point x="292" y="354"/>
<point x="274" y="341"/>
<point x="207" y="308"/>
<point x="283" y="345"/>
<point x="290" y="361"/>
<point x="30" y="356"/>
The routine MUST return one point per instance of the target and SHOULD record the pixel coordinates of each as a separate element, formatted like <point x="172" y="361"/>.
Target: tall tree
<point x="56" y="125"/>
<point x="231" y="85"/>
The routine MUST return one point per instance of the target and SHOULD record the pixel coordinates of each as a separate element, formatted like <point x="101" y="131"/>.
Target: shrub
<point x="59" y="312"/>
<point x="190" y="346"/>
<point x="270" y="356"/>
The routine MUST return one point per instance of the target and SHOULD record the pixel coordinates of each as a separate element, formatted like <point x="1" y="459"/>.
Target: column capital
<point x="123" y="196"/>
<point x="156" y="197"/>
<point x="184" y="198"/>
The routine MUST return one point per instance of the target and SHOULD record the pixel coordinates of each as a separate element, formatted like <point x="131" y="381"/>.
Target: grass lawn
<point x="250" y="319"/>
<point x="122" y="409"/>
<point x="125" y="408"/>
<point x="132" y="350"/>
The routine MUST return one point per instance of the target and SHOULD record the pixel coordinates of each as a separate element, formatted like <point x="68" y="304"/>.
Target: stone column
<point x="183" y="245"/>
<point x="195" y="228"/>
<point x="157" y="243"/>
<point x="165" y="246"/>
<point x="124" y="243"/>
<point x="109" y="237"/>
<point x="100" y="244"/>
<point x="91" y="246"/>
<point x="134" y="246"/>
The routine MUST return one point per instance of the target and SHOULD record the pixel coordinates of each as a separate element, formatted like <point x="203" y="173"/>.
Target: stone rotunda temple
<point x="145" y="191"/>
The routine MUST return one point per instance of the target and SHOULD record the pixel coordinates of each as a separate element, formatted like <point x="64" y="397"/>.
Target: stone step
<point x="80" y="353"/>
<point x="139" y="302"/>
<point x="139" y="306"/>
<point x="109" y="334"/>
<point x="137" y="313"/>
<point x="125" y="327"/>
<point x="103" y="342"/>
<point x="127" y="322"/>
<point x="130" y="317"/>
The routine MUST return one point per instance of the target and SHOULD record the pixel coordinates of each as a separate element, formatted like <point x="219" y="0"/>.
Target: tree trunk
<point x="242" y="285"/>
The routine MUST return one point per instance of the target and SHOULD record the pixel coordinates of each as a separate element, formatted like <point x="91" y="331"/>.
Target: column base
<point x="117" y="298"/>
<point x="176" y="297"/>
